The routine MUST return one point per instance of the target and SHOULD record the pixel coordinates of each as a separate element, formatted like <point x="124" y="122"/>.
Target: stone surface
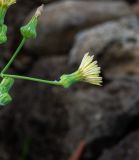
<point x="51" y="121"/>
<point x="101" y="115"/>
<point x="81" y="115"/>
<point x="135" y="8"/>
<point x="115" y="45"/>
<point x="37" y="118"/>
<point x="60" y="21"/>
<point x="14" y="22"/>
<point x="94" y="0"/>
<point x="127" y="149"/>
<point x="129" y="1"/>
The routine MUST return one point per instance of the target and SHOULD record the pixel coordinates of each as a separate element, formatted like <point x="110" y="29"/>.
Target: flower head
<point x="7" y="3"/>
<point x="88" y="71"/>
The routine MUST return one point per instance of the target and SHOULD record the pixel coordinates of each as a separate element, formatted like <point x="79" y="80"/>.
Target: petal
<point x="86" y="60"/>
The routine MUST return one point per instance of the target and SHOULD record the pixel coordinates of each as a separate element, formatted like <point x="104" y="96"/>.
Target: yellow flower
<point x="7" y="3"/>
<point x="88" y="71"/>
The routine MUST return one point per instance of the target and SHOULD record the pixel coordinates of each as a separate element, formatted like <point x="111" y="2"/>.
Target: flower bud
<point x="5" y="99"/>
<point x="3" y="34"/>
<point x="29" y="31"/>
<point x="2" y="15"/>
<point x="6" y="84"/>
<point x="67" y="80"/>
<point x="4" y="5"/>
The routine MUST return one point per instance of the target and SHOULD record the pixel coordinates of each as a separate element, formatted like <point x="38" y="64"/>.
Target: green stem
<point x="31" y="79"/>
<point x="14" y="56"/>
<point x="3" y="11"/>
<point x="25" y="149"/>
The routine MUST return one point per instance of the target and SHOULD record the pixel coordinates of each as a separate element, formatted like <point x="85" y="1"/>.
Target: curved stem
<point x="14" y="56"/>
<point x="3" y="11"/>
<point x="31" y="79"/>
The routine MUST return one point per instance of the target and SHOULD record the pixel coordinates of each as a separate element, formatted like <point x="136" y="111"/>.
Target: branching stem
<point x="14" y="56"/>
<point x="2" y="74"/>
<point x="31" y="79"/>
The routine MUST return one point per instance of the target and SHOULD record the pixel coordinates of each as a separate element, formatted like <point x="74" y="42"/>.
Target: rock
<point x="127" y="149"/>
<point x="129" y="1"/>
<point x="62" y="20"/>
<point x="115" y="45"/>
<point x="22" y="9"/>
<point x="37" y="116"/>
<point x="94" y="0"/>
<point x="48" y="122"/>
<point x="101" y="116"/>
<point x="136" y="9"/>
<point x="51" y="121"/>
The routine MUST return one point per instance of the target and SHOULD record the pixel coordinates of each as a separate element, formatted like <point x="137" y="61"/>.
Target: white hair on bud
<point x="39" y="10"/>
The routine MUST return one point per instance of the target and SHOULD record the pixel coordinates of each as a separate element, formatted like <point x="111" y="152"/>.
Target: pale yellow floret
<point x="7" y="3"/>
<point x="39" y="11"/>
<point x="89" y="70"/>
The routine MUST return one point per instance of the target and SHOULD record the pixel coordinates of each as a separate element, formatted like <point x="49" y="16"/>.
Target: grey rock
<point x="62" y="20"/>
<point x="53" y="120"/>
<point x="37" y="118"/>
<point x="96" y="115"/>
<point x="115" y="44"/>
<point x="93" y="0"/>
<point x="127" y="149"/>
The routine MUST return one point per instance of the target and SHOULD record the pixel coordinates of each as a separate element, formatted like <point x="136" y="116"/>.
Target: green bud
<point x="2" y="89"/>
<point x="29" y="31"/>
<point x="67" y="80"/>
<point x="5" y="99"/>
<point x="3" y="11"/>
<point x="6" y="84"/>
<point x="3" y="32"/>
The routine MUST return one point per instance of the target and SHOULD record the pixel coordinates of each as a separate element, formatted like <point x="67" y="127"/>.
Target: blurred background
<point x="84" y="122"/>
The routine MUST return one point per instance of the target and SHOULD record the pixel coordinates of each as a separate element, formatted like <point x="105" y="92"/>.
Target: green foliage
<point x="88" y="71"/>
<point x="29" y="31"/>
<point x="3" y="33"/>
<point x="67" y="80"/>
<point x="5" y="99"/>
<point x="7" y="84"/>
<point x="25" y="148"/>
<point x="3" y="11"/>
